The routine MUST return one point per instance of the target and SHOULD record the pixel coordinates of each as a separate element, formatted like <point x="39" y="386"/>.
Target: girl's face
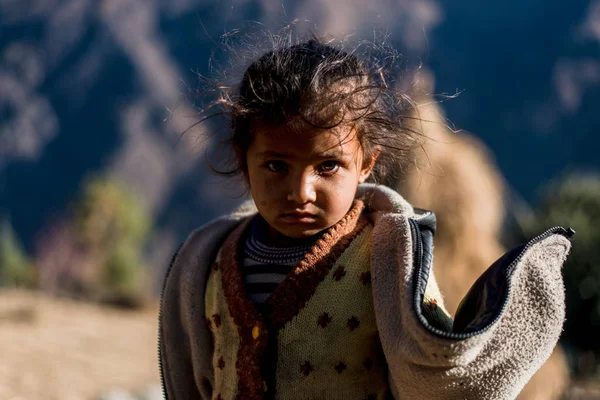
<point x="303" y="183"/>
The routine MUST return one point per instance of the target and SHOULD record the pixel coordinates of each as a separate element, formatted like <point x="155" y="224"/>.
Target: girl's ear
<point x="368" y="165"/>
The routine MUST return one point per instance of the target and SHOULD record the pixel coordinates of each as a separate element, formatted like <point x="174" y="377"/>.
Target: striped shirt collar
<point x="261" y="233"/>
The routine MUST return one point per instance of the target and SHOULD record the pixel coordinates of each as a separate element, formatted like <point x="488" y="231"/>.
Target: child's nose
<point x="302" y="189"/>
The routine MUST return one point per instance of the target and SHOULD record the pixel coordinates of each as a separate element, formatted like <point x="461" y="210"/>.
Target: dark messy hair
<point x="315" y="83"/>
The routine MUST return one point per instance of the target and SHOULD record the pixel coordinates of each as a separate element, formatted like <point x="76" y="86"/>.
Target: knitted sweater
<point x="319" y="322"/>
<point x="505" y="329"/>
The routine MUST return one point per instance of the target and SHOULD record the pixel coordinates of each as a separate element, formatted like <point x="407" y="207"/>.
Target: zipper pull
<point x="570" y="233"/>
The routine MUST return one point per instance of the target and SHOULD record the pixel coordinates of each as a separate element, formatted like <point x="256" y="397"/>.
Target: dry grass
<point x="65" y="350"/>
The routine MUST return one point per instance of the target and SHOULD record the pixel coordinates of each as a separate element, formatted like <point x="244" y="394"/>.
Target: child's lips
<point x="299" y="217"/>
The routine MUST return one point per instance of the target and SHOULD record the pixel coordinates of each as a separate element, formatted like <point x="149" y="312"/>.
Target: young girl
<point x="321" y="287"/>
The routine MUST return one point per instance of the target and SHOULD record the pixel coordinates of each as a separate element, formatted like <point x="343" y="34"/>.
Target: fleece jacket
<point x="503" y="331"/>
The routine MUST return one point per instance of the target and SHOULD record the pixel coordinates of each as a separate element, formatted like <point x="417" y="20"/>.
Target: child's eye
<point x="329" y="167"/>
<point x="276" y="166"/>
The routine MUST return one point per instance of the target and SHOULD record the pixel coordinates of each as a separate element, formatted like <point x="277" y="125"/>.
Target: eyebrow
<point x="274" y="154"/>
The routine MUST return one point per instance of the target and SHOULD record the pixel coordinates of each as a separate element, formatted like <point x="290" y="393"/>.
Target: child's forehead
<point x="282" y="139"/>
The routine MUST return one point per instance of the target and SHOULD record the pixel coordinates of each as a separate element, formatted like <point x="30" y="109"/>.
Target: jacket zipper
<point x="418" y="258"/>
<point x="162" y="294"/>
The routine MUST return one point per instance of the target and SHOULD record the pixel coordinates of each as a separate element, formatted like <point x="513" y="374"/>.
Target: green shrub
<point x="15" y="268"/>
<point x="122" y="279"/>
<point x="113" y="227"/>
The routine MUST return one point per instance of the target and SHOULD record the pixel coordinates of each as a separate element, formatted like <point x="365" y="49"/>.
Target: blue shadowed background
<point x="97" y="186"/>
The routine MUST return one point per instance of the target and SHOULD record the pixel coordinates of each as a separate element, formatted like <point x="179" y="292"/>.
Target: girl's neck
<point x="269" y="236"/>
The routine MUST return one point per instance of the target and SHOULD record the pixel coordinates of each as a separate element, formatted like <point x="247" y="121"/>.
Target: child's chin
<point x="300" y="232"/>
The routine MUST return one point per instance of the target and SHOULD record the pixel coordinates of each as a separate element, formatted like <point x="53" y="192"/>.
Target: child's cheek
<point x="271" y="188"/>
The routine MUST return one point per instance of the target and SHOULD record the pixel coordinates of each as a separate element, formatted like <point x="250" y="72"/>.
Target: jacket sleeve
<point x="178" y="338"/>
<point x="505" y="328"/>
<point x="184" y="343"/>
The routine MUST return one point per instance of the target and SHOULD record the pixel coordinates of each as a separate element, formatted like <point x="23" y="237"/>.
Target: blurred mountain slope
<point x="104" y="86"/>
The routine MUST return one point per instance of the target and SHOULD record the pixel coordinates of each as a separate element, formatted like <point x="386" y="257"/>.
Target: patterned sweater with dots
<point x="317" y="336"/>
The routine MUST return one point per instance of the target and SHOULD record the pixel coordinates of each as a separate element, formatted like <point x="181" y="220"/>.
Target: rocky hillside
<point x="107" y="86"/>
